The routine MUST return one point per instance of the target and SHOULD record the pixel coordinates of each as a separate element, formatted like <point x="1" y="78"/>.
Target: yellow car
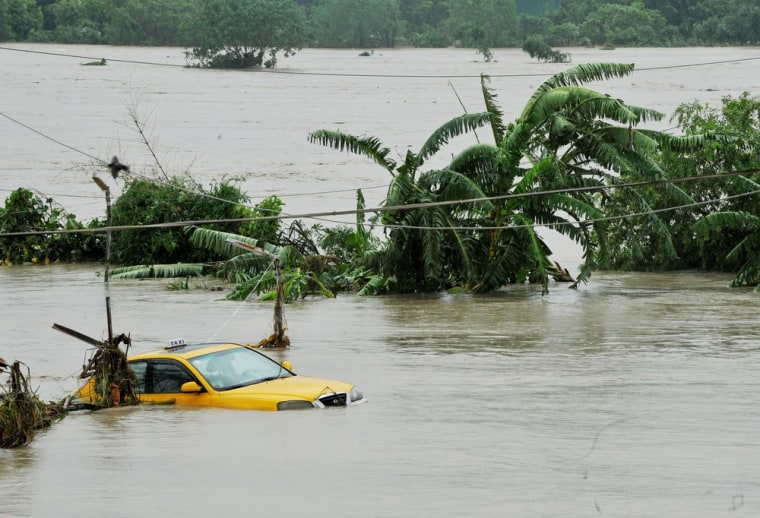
<point x="230" y="376"/>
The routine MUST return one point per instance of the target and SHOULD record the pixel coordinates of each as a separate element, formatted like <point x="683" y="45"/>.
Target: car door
<point x="160" y="382"/>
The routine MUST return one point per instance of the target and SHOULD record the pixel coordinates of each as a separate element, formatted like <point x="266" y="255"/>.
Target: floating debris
<point x="100" y="63"/>
<point x="110" y="381"/>
<point x="22" y="413"/>
<point x="559" y="273"/>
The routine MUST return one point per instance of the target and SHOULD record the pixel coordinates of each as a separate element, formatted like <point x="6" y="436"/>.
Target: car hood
<point x="293" y="387"/>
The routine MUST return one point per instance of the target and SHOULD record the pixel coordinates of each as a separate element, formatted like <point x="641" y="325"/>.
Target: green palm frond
<point x="682" y="144"/>
<point x="595" y="147"/>
<point x="746" y="249"/>
<point x="578" y="209"/>
<point x="513" y="147"/>
<point x="451" y="185"/>
<point x="737" y="220"/>
<point x="247" y="262"/>
<point x="532" y="177"/>
<point x="575" y="76"/>
<point x="376" y="285"/>
<point x="369" y="147"/>
<point x="586" y="73"/>
<point x="748" y="183"/>
<point x="158" y="270"/>
<point x="219" y="242"/>
<point x="290" y="257"/>
<point x="498" y="127"/>
<point x="433" y="249"/>
<point x="453" y="128"/>
<point x="481" y="163"/>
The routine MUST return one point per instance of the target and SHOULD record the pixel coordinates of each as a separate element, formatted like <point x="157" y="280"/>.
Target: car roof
<point x="185" y="350"/>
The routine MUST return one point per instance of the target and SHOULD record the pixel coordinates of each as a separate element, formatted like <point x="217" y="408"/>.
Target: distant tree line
<point x="292" y="24"/>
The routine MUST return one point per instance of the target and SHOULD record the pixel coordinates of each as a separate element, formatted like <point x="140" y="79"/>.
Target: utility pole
<point x="107" y="191"/>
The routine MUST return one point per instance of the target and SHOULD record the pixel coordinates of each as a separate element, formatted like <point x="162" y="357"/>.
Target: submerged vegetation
<point x="575" y="160"/>
<point x="537" y="48"/>
<point x="22" y="413"/>
<point x="24" y="211"/>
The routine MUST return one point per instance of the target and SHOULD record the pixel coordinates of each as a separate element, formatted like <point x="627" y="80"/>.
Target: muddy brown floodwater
<point x="635" y="395"/>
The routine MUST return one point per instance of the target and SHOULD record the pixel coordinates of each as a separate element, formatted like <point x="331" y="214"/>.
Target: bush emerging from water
<point x="26" y="212"/>
<point x="181" y="199"/>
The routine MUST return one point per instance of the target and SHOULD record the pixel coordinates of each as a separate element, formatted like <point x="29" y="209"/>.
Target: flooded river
<point x="635" y="395"/>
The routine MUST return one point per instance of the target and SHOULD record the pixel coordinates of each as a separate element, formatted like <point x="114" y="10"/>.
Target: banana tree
<point x="254" y="272"/>
<point x="421" y="240"/>
<point x="473" y="223"/>
<point x="570" y="142"/>
<point x="249" y="271"/>
<point x="745" y="253"/>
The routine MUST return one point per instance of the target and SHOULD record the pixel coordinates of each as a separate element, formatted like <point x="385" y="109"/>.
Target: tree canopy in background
<point x="246" y="33"/>
<point x="259" y="30"/>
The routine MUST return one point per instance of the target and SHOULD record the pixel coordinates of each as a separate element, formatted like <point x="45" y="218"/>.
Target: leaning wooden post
<point x="279" y="329"/>
<point x="107" y="191"/>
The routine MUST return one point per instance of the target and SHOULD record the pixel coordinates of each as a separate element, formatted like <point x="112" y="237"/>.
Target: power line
<point x="51" y="138"/>
<point x="285" y="72"/>
<point x="389" y="76"/>
<point x="349" y="212"/>
<point x="585" y="221"/>
<point x="411" y="206"/>
<point x="60" y="54"/>
<point x="103" y="162"/>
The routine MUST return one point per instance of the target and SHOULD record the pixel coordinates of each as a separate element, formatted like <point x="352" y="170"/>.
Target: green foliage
<point x="745" y="227"/>
<point x="355" y="23"/>
<point x="717" y="141"/>
<point x="302" y="275"/>
<point x="537" y="48"/>
<point x="415" y="253"/>
<point x="78" y="21"/>
<point x="158" y="271"/>
<point x="246" y="33"/>
<point x="151" y="22"/>
<point x="265" y="230"/>
<point x="480" y="24"/>
<point x="472" y="224"/>
<point x="19" y="19"/>
<point x="629" y="25"/>
<point x="180" y="199"/>
<point x="24" y="211"/>
<point x="537" y="7"/>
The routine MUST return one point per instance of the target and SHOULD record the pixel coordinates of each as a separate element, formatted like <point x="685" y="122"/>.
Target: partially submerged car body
<point x="227" y="375"/>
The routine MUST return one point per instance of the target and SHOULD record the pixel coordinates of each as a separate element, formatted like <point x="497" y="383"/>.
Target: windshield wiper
<point x="268" y="378"/>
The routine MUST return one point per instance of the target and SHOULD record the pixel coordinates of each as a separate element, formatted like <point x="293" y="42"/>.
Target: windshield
<point x="238" y="367"/>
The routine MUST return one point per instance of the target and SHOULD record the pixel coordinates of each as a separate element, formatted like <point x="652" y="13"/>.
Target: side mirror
<point x="190" y="387"/>
<point x="287" y="365"/>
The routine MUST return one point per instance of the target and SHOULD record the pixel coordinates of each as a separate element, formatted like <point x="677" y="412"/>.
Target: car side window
<point x="139" y="368"/>
<point x="166" y="376"/>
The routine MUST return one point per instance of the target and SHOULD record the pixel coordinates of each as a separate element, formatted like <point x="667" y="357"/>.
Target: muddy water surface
<point x="633" y="396"/>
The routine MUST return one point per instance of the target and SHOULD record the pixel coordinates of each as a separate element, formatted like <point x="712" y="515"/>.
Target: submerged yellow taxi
<point x="230" y="376"/>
